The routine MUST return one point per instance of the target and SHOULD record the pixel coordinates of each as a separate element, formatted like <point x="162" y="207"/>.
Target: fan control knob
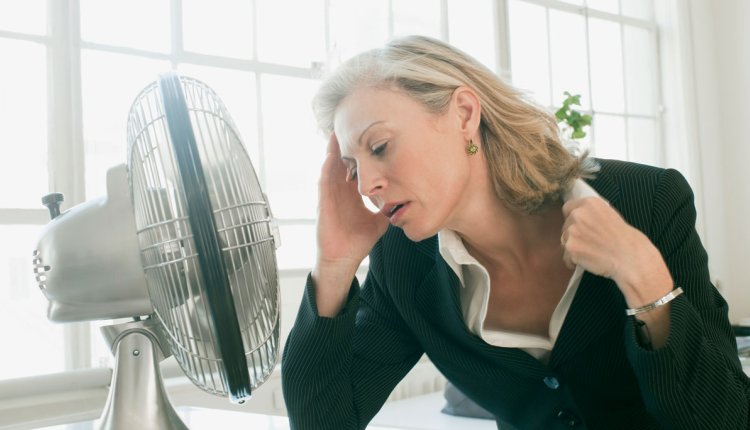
<point x="52" y="201"/>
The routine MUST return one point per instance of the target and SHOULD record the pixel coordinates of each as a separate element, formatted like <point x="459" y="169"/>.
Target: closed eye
<point x="379" y="150"/>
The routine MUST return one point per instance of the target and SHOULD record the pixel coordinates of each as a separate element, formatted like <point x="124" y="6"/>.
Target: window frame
<point x="66" y="146"/>
<point x="588" y="13"/>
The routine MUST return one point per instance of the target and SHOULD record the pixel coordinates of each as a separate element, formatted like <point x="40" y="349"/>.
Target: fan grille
<point x="243" y="225"/>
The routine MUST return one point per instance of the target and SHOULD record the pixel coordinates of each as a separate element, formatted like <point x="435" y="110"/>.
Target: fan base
<point x="137" y="398"/>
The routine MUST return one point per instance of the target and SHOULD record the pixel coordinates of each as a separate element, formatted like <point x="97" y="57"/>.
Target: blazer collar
<point x="597" y="305"/>
<point x="604" y="184"/>
<point x="592" y="313"/>
<point x="437" y="299"/>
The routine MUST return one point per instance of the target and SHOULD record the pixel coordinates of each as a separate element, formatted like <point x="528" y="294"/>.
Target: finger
<point x="333" y="151"/>
<point x="333" y="145"/>
<point x="585" y="212"/>
<point x="593" y="201"/>
<point x="334" y="167"/>
<point x="565" y="230"/>
<point x="563" y="238"/>
<point x="571" y="205"/>
<point x="330" y="168"/>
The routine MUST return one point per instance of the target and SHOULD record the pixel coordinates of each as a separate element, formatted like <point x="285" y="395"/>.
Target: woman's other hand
<point x="597" y="238"/>
<point x="346" y="231"/>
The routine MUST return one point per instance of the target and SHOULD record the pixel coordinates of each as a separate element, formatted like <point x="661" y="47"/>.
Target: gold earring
<point x="471" y="148"/>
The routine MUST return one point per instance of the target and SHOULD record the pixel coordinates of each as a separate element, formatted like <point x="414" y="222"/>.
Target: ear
<point x="469" y="109"/>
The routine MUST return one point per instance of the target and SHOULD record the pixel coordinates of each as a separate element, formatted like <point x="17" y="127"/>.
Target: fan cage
<point x="243" y="220"/>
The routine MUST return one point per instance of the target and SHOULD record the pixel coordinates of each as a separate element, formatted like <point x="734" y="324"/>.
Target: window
<point x="71" y="70"/>
<point x="25" y="177"/>
<point x="604" y="50"/>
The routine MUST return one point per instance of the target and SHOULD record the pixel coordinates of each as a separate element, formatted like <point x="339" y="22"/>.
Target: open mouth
<point x="395" y="209"/>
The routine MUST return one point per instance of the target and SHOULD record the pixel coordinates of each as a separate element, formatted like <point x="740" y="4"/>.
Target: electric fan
<point x="183" y="245"/>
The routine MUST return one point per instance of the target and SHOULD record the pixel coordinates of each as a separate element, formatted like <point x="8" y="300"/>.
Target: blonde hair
<point x="529" y="166"/>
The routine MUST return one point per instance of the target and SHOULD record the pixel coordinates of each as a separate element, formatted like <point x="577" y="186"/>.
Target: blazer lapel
<point x="598" y="303"/>
<point x="438" y="300"/>
<point x="597" y="307"/>
<point x="605" y="186"/>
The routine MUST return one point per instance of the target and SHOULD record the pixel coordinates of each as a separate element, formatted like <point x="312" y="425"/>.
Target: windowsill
<point x="80" y="395"/>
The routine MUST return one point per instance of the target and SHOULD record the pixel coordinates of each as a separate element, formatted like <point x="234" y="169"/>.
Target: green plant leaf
<point x="560" y="114"/>
<point x="571" y="117"/>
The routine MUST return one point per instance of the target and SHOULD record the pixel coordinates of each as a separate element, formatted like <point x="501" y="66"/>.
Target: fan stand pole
<point x="137" y="398"/>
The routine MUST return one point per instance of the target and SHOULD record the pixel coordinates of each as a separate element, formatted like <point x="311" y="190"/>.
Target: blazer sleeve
<point x="695" y="381"/>
<point x="337" y="372"/>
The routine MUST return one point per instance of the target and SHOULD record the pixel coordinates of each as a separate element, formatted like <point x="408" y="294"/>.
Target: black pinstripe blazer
<point x="337" y="372"/>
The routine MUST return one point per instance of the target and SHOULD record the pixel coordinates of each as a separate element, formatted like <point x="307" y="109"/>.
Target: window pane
<point x="609" y="137"/>
<point x="356" y="26"/>
<point x="110" y="84"/>
<point x="23" y="123"/>
<point x="24" y="16"/>
<point x="101" y="356"/>
<point x="416" y="17"/>
<point x="237" y="90"/>
<point x="642" y="141"/>
<point x="293" y="148"/>
<point x="642" y="9"/>
<point x="529" y="53"/>
<point x="298" y="248"/>
<point x="579" y="146"/>
<point x="610" y="6"/>
<point x="218" y="27"/>
<point x="142" y="24"/>
<point x="291" y="32"/>
<point x="640" y="69"/>
<point x="606" y="66"/>
<point x="471" y="29"/>
<point x="568" y="56"/>
<point x="31" y="343"/>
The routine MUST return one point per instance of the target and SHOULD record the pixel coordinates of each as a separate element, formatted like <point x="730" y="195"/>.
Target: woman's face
<point x="410" y="163"/>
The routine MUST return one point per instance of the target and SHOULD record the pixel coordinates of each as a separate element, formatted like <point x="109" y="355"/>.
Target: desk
<point x="423" y="413"/>
<point x="213" y="419"/>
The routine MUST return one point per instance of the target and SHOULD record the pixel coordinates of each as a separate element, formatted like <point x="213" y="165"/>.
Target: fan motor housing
<point x="87" y="261"/>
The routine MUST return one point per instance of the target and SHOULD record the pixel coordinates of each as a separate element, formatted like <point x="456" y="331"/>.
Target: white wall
<point x="721" y="65"/>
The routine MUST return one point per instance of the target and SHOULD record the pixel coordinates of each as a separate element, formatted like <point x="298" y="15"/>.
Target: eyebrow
<point x="359" y="139"/>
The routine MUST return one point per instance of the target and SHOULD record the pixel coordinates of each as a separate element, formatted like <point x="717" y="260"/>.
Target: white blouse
<point x="475" y="292"/>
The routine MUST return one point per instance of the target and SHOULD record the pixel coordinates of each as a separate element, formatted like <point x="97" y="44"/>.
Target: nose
<point x="370" y="180"/>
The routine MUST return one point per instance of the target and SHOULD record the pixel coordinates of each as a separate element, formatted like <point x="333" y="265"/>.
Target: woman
<point x="546" y="287"/>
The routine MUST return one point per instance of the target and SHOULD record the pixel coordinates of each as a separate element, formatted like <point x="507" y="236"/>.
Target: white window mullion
<point x="502" y="36"/>
<point x="66" y="147"/>
<point x="176" y="43"/>
<point x="260" y="163"/>
<point x="549" y="57"/>
<point x="327" y="27"/>
<point x="661" y="126"/>
<point x="444" y="21"/>
<point x="5" y="34"/>
<point x="594" y="13"/>
<point x="255" y="21"/>
<point x="626" y="110"/>
<point x="592" y="136"/>
<point x="390" y="19"/>
<point x="65" y="141"/>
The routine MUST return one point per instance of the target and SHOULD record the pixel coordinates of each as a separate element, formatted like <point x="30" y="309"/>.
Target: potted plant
<point x="571" y="120"/>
